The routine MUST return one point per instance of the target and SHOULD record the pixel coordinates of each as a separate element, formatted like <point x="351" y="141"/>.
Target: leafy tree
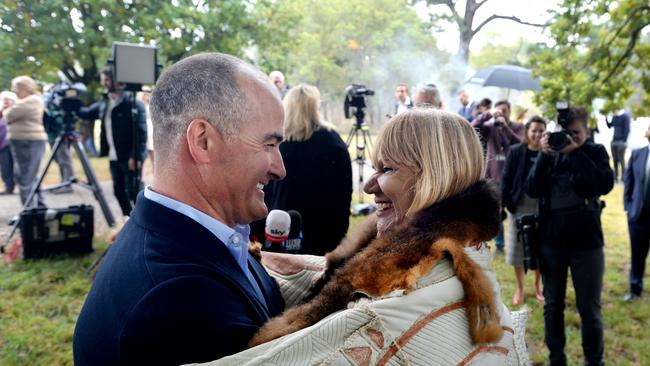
<point x="598" y="51"/>
<point x="41" y="37"/>
<point x="338" y="42"/>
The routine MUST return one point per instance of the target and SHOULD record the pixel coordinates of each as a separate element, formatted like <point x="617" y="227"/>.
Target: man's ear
<point x="201" y="137"/>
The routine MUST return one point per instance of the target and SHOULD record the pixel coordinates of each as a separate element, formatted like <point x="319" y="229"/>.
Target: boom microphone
<point x="294" y="242"/>
<point x="276" y="230"/>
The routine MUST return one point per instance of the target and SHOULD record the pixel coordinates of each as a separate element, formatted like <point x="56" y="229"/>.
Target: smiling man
<point x="178" y="284"/>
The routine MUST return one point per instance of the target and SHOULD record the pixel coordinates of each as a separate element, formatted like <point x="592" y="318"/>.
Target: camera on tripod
<point x="355" y="97"/>
<point x="66" y="97"/>
<point x="63" y="100"/>
<point x="559" y="139"/>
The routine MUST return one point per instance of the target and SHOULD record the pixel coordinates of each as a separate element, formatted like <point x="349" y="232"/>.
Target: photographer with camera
<point x="520" y="253"/>
<point x="118" y="140"/>
<point x="569" y="176"/>
<point x="499" y="134"/>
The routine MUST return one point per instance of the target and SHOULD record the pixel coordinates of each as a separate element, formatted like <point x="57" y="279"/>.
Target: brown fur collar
<point x="396" y="259"/>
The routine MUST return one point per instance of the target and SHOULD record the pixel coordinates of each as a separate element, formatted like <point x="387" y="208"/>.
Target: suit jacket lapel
<point x="197" y="244"/>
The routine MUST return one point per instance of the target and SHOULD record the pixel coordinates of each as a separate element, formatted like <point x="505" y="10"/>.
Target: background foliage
<point x="600" y="49"/>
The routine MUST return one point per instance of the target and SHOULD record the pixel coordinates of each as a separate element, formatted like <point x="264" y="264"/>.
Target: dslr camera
<point x="355" y="97"/>
<point x="559" y="139"/>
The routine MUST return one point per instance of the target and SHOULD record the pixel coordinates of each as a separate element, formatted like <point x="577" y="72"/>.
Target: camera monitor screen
<point x="134" y="64"/>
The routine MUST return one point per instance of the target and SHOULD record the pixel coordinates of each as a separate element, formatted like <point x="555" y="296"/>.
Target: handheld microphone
<point x="294" y="242"/>
<point x="276" y="230"/>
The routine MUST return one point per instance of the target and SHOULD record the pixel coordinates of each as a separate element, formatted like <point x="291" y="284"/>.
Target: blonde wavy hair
<point x="301" y="113"/>
<point x="442" y="148"/>
<point x="25" y="83"/>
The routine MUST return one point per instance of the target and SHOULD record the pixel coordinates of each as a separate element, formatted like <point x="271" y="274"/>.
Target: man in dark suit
<point x="467" y="107"/>
<point x="637" y="205"/>
<point x="178" y="285"/>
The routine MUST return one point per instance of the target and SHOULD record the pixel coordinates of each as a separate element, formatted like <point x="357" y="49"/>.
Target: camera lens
<point x="558" y="140"/>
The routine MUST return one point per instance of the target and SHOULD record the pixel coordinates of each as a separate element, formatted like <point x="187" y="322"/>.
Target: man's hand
<point x="546" y="148"/>
<point x="131" y="164"/>
<point x="570" y="147"/>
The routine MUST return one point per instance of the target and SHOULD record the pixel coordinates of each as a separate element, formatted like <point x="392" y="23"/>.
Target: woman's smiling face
<point x="394" y="188"/>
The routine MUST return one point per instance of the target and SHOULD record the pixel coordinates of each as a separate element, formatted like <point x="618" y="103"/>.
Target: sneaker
<point x="631" y="296"/>
<point x="7" y="192"/>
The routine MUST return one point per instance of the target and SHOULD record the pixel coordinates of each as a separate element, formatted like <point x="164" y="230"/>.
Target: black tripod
<point x="68" y="138"/>
<point x="363" y="144"/>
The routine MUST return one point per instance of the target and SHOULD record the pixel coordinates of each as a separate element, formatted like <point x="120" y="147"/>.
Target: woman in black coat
<point x="319" y="173"/>
<point x="518" y="163"/>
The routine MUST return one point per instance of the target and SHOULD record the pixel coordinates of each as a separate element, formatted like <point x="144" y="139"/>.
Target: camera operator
<point x="117" y="138"/>
<point x="568" y="180"/>
<point x="53" y="122"/>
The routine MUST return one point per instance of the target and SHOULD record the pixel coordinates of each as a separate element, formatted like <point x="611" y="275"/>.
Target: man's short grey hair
<point x="428" y="95"/>
<point x="201" y="86"/>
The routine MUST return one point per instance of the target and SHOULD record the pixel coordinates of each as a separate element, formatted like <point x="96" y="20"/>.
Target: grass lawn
<point x="40" y="301"/>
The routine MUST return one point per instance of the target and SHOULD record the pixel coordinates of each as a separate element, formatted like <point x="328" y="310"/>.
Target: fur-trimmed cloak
<point x="374" y="267"/>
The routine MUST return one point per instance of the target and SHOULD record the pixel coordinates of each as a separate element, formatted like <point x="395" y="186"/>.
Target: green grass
<point x="40" y="301"/>
<point x="39" y="305"/>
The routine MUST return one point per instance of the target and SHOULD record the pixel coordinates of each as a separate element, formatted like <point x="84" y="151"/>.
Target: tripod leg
<point x="94" y="184"/>
<point x="350" y="136"/>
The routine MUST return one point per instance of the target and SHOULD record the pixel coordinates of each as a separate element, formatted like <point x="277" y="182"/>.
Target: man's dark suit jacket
<point x="169" y="292"/>
<point x="635" y="183"/>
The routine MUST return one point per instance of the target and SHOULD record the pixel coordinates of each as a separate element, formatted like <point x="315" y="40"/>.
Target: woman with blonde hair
<point x="413" y="284"/>
<point x="319" y="174"/>
<point x="27" y="135"/>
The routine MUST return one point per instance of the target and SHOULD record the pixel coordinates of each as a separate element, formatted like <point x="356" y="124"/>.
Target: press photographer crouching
<point x="568" y="181"/>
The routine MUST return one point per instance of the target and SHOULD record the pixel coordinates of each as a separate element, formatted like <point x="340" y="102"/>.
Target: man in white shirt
<point x="403" y="100"/>
<point x="123" y="138"/>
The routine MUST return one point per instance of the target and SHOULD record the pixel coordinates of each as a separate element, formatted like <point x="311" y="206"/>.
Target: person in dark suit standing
<point x="467" y="107"/>
<point x="621" y="124"/>
<point x="637" y="205"/>
<point x="178" y="285"/>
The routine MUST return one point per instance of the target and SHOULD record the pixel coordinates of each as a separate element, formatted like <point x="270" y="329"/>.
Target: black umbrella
<point x="506" y="76"/>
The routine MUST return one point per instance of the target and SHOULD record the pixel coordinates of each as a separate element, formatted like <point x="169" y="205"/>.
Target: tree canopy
<point x="598" y="51"/>
<point x="41" y="37"/>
